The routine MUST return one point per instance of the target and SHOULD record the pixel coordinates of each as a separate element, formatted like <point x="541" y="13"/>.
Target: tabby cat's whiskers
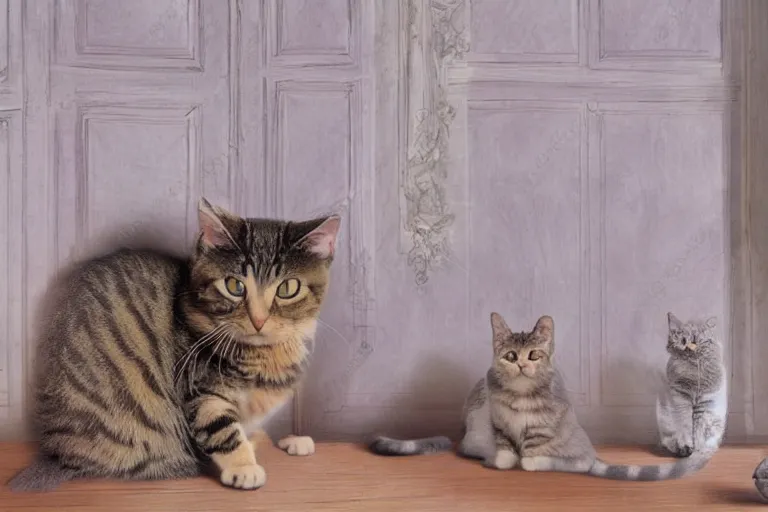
<point x="194" y="350"/>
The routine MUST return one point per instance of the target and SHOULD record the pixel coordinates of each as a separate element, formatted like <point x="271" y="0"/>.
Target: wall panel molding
<point x="12" y="295"/>
<point x="657" y="54"/>
<point x="284" y="44"/>
<point x="74" y="47"/>
<point x="528" y="17"/>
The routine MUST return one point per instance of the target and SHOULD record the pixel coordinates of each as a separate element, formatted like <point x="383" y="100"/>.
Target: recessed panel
<point x="141" y="34"/>
<point x="526" y="221"/>
<point x="139" y="24"/>
<point x="308" y="33"/>
<point x="135" y="174"/>
<point x="663" y="246"/>
<point x="525" y="30"/>
<point x="672" y="28"/>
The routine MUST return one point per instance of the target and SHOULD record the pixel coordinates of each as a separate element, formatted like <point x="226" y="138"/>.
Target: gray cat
<point x="691" y="409"/>
<point x="518" y="415"/>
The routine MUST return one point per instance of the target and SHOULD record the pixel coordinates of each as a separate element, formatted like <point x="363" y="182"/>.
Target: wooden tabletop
<point x="345" y="477"/>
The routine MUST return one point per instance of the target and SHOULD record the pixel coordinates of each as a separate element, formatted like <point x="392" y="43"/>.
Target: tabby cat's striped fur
<point x="153" y="366"/>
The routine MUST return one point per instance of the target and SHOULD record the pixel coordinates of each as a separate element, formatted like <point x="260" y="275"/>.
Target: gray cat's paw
<point x="502" y="459"/>
<point x="761" y="478"/>
<point x="683" y="451"/>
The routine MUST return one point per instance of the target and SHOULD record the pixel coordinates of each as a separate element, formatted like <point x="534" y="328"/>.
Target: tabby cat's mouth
<point x="257" y="340"/>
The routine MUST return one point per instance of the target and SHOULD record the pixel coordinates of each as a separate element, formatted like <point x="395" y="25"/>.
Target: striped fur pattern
<point x="155" y="366"/>
<point x="692" y="408"/>
<point x="519" y="415"/>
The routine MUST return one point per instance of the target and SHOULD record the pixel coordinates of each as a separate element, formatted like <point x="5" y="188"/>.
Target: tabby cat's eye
<point x="235" y="286"/>
<point x="535" y="355"/>
<point x="288" y="289"/>
<point x="511" y="356"/>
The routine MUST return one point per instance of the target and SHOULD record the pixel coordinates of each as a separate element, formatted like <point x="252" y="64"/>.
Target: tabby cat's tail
<point x="44" y="474"/>
<point x="387" y="446"/>
<point x="669" y="471"/>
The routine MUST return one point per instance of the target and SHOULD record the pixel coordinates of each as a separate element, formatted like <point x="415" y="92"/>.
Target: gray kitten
<point x="518" y="415"/>
<point x="691" y="410"/>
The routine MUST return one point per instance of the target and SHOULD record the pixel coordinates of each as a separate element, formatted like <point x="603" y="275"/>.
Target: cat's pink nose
<point x="258" y="323"/>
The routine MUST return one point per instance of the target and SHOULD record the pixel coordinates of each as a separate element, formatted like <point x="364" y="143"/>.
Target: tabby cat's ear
<point x="500" y="329"/>
<point x="545" y="332"/>
<point x="674" y="323"/>
<point x="213" y="231"/>
<point x="318" y="236"/>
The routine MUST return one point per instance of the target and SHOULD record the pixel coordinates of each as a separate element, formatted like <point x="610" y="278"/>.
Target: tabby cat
<point x="154" y="367"/>
<point x="519" y="415"/>
<point x="691" y="409"/>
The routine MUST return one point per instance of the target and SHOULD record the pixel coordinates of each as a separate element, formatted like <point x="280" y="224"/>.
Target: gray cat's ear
<point x="674" y="323"/>
<point x="545" y="327"/>
<point x="321" y="240"/>
<point x="544" y="334"/>
<point x="213" y="232"/>
<point x="498" y="325"/>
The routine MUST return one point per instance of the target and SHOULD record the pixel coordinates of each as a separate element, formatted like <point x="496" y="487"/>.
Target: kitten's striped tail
<point x="387" y="446"/>
<point x="44" y="474"/>
<point x="669" y="471"/>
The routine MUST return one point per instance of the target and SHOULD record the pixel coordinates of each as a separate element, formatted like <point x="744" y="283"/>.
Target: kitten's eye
<point x="511" y="356"/>
<point x="235" y="286"/>
<point x="535" y="355"/>
<point x="289" y="288"/>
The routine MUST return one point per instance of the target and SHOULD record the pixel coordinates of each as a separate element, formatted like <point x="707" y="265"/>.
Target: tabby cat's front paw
<point x="297" y="445"/>
<point x="502" y="459"/>
<point x="244" y="477"/>
<point x="683" y="451"/>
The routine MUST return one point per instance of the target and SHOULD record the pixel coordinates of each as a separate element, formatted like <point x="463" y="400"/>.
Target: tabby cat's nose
<point x="258" y="323"/>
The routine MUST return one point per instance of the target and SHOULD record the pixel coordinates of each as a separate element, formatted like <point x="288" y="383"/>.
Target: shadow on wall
<point x="144" y="233"/>
<point x="431" y="403"/>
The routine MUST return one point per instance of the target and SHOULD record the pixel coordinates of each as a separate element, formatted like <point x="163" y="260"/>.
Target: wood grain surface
<point x="345" y="477"/>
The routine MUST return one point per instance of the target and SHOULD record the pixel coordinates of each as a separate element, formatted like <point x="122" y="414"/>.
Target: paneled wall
<point x="578" y="158"/>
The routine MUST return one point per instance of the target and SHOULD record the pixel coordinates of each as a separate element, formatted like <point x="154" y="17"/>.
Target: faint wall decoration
<point x="436" y="38"/>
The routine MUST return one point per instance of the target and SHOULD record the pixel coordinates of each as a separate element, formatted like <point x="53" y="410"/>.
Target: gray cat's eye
<point x="235" y="286"/>
<point x="535" y="355"/>
<point x="511" y="356"/>
<point x="289" y="288"/>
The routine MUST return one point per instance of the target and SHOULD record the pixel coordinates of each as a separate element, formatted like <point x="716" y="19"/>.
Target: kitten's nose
<point x="258" y="323"/>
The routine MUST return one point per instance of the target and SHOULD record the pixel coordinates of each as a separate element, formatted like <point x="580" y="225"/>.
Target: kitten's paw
<point x="244" y="477"/>
<point x="502" y="459"/>
<point x="683" y="451"/>
<point x="534" y="463"/>
<point x="297" y="445"/>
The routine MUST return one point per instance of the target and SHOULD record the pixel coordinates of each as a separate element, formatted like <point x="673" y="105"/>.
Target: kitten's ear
<point x="545" y="331"/>
<point x="498" y="325"/>
<point x="500" y="330"/>
<point x="674" y="323"/>
<point x="213" y="231"/>
<point x="321" y="236"/>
